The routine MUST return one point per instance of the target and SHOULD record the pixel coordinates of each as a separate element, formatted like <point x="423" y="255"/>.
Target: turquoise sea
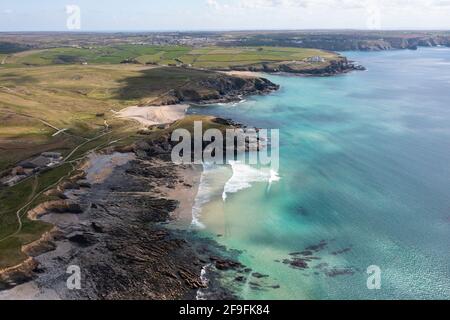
<point x="364" y="180"/>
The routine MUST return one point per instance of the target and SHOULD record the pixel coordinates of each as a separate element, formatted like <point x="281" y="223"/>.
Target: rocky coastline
<point x="348" y="40"/>
<point x="325" y="69"/>
<point x="220" y="88"/>
<point x="114" y="226"/>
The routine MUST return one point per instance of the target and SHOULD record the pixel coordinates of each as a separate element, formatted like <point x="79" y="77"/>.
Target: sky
<point x="191" y="15"/>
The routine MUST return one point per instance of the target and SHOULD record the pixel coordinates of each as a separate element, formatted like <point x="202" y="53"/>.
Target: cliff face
<point x="381" y="44"/>
<point x="218" y="88"/>
<point x="388" y="43"/>
<point x="234" y="87"/>
<point x="349" y="41"/>
<point x="326" y="68"/>
<point x="22" y="273"/>
<point x="332" y="68"/>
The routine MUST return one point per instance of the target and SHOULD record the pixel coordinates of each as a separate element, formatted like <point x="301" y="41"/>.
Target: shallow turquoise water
<point x="365" y="167"/>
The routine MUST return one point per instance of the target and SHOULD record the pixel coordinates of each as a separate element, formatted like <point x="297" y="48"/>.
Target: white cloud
<point x="272" y="3"/>
<point x="7" y="11"/>
<point x="213" y="4"/>
<point x="336" y="4"/>
<point x="329" y="14"/>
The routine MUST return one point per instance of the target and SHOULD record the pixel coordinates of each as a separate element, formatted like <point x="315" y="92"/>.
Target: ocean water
<point x="364" y="180"/>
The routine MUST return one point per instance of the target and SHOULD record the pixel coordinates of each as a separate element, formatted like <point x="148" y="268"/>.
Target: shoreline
<point x="75" y="232"/>
<point x="185" y="193"/>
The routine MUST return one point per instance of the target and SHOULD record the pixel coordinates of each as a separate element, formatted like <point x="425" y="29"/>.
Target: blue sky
<point x="107" y="15"/>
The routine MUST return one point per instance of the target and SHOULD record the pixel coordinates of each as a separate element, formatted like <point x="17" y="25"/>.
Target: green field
<point x="12" y="238"/>
<point x="208" y="57"/>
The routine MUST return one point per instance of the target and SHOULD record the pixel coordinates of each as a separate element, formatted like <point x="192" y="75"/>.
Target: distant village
<point x="24" y="169"/>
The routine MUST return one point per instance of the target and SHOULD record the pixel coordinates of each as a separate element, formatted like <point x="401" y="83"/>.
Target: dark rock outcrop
<point x="221" y="88"/>
<point x="327" y="68"/>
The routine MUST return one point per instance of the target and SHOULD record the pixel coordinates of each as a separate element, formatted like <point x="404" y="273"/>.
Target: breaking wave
<point x="245" y="175"/>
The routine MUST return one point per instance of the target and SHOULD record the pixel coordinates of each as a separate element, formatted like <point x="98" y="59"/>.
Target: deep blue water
<point x="365" y="167"/>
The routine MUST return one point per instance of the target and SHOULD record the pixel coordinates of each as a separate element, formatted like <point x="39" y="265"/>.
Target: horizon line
<point x="221" y="30"/>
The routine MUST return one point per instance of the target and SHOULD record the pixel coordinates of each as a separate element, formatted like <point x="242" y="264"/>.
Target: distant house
<point x="315" y="59"/>
<point x="17" y="171"/>
<point x="27" y="164"/>
<point x="51" y="155"/>
<point x="40" y="162"/>
<point x="13" y="180"/>
<point x="44" y="160"/>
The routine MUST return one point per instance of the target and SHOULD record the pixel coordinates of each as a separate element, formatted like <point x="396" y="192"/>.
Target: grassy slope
<point x="17" y="196"/>
<point x="72" y="97"/>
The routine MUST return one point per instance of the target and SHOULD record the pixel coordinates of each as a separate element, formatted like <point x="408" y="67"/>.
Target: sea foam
<point x="211" y="185"/>
<point x="245" y="175"/>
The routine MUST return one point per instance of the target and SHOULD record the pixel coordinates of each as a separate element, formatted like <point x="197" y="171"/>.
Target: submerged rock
<point x="297" y="263"/>
<point x="259" y="275"/>
<point x="82" y="239"/>
<point x="226" y="264"/>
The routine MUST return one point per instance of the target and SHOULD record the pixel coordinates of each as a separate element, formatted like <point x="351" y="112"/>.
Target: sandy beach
<point x="154" y="115"/>
<point x="185" y="192"/>
<point x="244" y="74"/>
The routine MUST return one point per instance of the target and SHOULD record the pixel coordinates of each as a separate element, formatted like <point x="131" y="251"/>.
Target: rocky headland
<point x="351" y="40"/>
<point x="325" y="68"/>
<point x="219" y="88"/>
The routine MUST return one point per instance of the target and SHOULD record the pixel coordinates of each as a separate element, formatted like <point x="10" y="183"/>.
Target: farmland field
<point x="208" y="57"/>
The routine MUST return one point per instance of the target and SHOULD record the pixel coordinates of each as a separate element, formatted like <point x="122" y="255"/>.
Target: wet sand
<point x="185" y="192"/>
